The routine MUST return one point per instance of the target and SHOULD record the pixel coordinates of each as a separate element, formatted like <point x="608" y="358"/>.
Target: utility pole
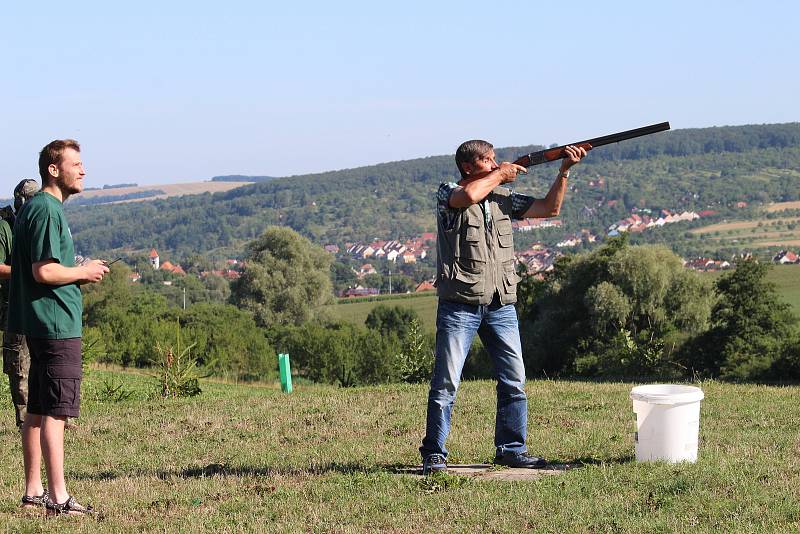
<point x="184" y="298"/>
<point x="390" y="281"/>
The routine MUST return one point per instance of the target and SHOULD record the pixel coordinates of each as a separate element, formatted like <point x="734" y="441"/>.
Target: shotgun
<point x="552" y="154"/>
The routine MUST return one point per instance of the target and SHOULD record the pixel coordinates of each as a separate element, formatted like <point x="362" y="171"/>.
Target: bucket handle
<point x="666" y="402"/>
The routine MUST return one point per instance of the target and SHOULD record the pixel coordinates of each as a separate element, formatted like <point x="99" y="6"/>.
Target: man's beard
<point x="70" y="189"/>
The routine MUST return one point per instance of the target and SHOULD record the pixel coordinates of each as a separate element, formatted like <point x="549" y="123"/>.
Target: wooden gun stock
<point x="552" y="154"/>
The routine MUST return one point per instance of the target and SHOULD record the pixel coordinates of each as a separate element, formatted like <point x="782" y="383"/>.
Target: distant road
<point x="170" y="190"/>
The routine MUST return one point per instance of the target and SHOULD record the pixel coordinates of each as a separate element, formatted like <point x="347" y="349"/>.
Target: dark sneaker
<point x="434" y="463"/>
<point x="522" y="459"/>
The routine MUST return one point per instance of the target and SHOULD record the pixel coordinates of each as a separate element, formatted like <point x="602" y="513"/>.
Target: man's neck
<point x="55" y="190"/>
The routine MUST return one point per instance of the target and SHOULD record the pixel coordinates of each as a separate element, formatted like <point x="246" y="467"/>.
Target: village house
<point x="639" y="223"/>
<point x="366" y="269"/>
<point x="526" y="225"/>
<point x="537" y="258"/>
<point x="569" y="241"/>
<point x="360" y="291"/>
<point x="707" y="264"/>
<point x="155" y="263"/>
<point x="786" y="256"/>
<point x="408" y="257"/>
<point x="360" y="251"/>
<point x="172" y="268"/>
<point x="426" y="285"/>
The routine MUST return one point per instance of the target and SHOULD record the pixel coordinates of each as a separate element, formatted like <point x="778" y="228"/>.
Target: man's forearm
<point x="550" y="205"/>
<point x="478" y="189"/>
<point x="5" y="271"/>
<point x="54" y="274"/>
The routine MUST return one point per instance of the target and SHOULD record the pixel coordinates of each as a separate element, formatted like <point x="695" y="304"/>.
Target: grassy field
<point x="785" y="277"/>
<point x="169" y="190"/>
<point x="322" y="459"/>
<point x="357" y="312"/>
<point x="787" y="282"/>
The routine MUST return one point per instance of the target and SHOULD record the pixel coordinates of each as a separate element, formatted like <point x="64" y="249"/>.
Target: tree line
<point x="620" y="311"/>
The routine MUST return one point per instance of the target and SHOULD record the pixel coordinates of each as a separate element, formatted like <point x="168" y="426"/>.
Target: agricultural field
<point x="763" y="232"/>
<point x="783" y="206"/>
<point x="783" y="232"/>
<point x="326" y="459"/>
<point x="169" y="190"/>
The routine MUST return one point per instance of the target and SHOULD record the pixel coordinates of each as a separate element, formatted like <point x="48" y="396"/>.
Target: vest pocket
<point x="469" y="278"/>
<point x="510" y="278"/>
<point x="471" y="238"/>
<point x="504" y="232"/>
<point x="473" y="233"/>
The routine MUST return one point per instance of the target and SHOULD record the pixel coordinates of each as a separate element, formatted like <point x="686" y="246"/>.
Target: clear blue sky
<point x="160" y="92"/>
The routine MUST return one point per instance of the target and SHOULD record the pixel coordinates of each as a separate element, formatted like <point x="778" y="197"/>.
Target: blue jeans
<point x="497" y="326"/>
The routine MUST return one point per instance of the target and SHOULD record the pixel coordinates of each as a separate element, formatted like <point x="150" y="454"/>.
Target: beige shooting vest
<point x="473" y="262"/>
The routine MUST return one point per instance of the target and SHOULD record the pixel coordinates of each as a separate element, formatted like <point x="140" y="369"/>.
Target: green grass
<point x="787" y="283"/>
<point x="357" y="312"/>
<point x="787" y="279"/>
<point x="241" y="458"/>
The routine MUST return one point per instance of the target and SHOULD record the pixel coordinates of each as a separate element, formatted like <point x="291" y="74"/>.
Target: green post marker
<point x="285" y="372"/>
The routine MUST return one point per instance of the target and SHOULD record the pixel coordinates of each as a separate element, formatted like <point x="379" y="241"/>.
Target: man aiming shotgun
<point x="476" y="283"/>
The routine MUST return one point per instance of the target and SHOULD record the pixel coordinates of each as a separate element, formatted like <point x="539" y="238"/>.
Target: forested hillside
<point x="693" y="169"/>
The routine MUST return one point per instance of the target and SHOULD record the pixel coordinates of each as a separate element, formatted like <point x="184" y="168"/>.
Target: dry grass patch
<point x="170" y="190"/>
<point x="781" y="206"/>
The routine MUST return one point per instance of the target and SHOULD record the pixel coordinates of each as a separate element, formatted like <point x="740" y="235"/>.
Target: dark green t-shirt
<point x="41" y="310"/>
<point x="5" y="257"/>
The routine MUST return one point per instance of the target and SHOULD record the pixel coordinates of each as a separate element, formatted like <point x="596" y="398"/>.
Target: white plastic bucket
<point x="667" y="422"/>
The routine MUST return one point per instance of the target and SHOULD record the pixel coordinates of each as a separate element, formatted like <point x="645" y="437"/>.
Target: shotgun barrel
<point x="552" y="154"/>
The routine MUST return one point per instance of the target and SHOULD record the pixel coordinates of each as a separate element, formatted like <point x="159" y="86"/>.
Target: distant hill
<point x="693" y="169"/>
<point x="242" y="178"/>
<point x="133" y="193"/>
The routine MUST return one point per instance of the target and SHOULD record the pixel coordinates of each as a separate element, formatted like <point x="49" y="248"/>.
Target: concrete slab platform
<point x="490" y="472"/>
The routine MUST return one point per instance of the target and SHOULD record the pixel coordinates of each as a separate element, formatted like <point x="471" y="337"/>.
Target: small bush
<point x="113" y="391"/>
<point x="179" y="375"/>
<point x="414" y="363"/>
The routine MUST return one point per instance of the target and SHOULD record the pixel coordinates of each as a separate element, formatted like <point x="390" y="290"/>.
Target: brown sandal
<point x="35" y="501"/>
<point x="70" y="507"/>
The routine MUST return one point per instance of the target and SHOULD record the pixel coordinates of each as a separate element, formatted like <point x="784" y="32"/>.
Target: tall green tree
<point x="752" y="332"/>
<point x="285" y="279"/>
<point x="620" y="310"/>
